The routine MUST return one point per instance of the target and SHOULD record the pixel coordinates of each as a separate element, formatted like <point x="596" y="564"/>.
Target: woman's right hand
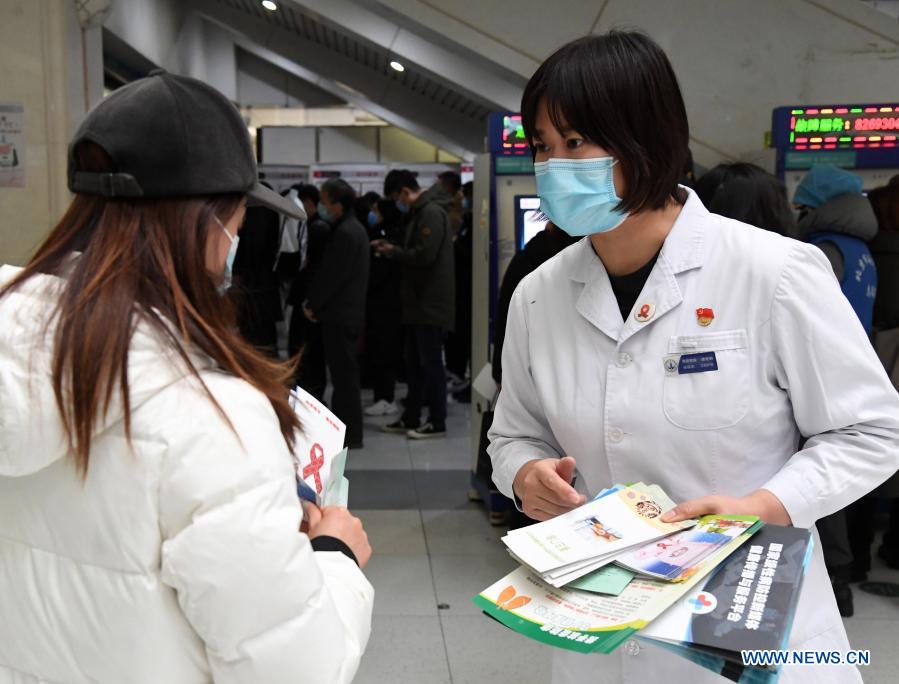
<point x="544" y="488"/>
<point x="337" y="522"/>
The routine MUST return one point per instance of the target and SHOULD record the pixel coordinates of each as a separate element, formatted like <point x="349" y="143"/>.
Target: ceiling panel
<point x="367" y="56"/>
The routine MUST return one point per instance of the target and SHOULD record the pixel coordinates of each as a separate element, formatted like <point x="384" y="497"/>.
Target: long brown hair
<point x="141" y="260"/>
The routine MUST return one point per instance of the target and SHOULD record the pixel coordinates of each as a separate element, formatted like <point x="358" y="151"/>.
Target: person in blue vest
<point x="835" y="216"/>
<point x="838" y="218"/>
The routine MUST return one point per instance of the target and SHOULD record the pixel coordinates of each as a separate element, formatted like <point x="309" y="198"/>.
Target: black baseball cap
<point x="172" y="136"/>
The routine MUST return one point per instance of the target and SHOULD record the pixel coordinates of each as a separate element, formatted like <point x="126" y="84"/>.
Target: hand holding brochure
<point x="319" y="455"/>
<point x="674" y="557"/>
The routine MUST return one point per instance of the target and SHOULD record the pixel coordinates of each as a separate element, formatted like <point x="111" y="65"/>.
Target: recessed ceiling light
<point x="269" y="5"/>
<point x="397" y="66"/>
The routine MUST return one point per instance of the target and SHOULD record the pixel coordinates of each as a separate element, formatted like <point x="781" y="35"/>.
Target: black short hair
<point x="750" y="194"/>
<point x="307" y="192"/>
<point x="398" y="179"/>
<point x="468" y="189"/>
<point x="340" y="192"/>
<point x="452" y="180"/>
<point x="389" y="212"/>
<point x="618" y="90"/>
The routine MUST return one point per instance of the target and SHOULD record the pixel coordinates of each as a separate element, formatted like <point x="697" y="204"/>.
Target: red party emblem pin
<point x="705" y="316"/>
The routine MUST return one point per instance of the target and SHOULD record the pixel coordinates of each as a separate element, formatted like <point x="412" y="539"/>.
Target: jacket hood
<point x="850" y="214"/>
<point x="436" y="194"/>
<point x="31" y="433"/>
<point x="824" y="182"/>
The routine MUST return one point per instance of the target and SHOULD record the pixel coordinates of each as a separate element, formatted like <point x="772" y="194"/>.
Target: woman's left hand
<point x="761" y="503"/>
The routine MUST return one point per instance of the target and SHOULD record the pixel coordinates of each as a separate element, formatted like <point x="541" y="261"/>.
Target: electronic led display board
<point x="836" y="127"/>
<point x="513" y="133"/>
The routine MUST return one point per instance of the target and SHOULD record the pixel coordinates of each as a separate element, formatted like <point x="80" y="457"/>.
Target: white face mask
<point x="229" y="260"/>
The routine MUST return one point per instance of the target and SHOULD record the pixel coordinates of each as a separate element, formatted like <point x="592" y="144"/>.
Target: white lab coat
<point x="793" y="360"/>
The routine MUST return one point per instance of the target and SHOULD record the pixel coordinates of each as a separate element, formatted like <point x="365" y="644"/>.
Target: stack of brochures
<point x="692" y="588"/>
<point x="596" y="534"/>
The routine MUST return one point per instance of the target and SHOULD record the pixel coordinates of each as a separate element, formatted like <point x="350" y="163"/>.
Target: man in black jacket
<point x="303" y="334"/>
<point x="428" y="295"/>
<point x="336" y="301"/>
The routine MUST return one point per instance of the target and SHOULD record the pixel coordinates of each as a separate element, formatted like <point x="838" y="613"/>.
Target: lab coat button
<point x="631" y="647"/>
<point x="624" y="360"/>
<point x="615" y="435"/>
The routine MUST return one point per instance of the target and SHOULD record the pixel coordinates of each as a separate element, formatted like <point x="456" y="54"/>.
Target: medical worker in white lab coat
<point x="592" y="373"/>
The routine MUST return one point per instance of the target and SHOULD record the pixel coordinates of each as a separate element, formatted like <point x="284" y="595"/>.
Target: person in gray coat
<point x="428" y="296"/>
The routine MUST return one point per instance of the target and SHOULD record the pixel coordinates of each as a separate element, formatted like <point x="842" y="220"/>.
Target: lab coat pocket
<point x="706" y="380"/>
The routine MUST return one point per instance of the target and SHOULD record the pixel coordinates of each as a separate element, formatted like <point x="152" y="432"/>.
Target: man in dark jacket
<point x="428" y="296"/>
<point x="336" y="301"/>
<point x="542" y="247"/>
<point x="303" y="334"/>
<point x="257" y="296"/>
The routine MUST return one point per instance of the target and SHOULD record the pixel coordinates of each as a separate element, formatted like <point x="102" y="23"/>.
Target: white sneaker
<point x="381" y="408"/>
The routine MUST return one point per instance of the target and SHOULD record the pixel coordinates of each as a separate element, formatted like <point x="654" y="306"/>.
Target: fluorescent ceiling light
<point x="397" y="66"/>
<point x="269" y="5"/>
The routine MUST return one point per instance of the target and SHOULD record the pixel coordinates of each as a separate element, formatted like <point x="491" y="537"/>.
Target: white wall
<point x="44" y="58"/>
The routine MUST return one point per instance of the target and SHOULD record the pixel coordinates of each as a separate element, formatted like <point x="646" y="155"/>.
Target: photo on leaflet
<point x="593" y="528"/>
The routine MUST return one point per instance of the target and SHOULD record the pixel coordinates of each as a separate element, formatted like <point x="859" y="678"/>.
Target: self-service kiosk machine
<point x="506" y="216"/>
<point x="858" y="137"/>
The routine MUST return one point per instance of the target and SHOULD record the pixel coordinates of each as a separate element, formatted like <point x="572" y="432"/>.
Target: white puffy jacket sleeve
<point x="268" y="608"/>
<point x="520" y="431"/>
<point x="841" y="396"/>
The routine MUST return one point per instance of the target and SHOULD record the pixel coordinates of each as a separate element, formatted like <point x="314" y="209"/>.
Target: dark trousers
<point x="341" y="346"/>
<point x="425" y="375"/>
<point x="860" y="519"/>
<point x="458" y="349"/>
<point x="835" y="545"/>
<point x="383" y="342"/>
<point x="306" y="336"/>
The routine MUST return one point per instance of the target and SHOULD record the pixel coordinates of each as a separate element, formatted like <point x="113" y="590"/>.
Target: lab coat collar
<point x="683" y="251"/>
<point x="684" y="247"/>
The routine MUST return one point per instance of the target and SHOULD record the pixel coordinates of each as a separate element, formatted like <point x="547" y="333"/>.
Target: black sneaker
<point x="426" y="431"/>
<point x="397" y="427"/>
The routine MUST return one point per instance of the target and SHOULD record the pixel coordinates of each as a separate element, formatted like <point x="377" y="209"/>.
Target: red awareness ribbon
<point x="317" y="455"/>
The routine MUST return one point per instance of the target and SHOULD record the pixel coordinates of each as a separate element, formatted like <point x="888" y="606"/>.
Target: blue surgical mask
<point x="466" y="204"/>
<point x="578" y="195"/>
<point x="229" y="260"/>
<point x="402" y="206"/>
<point x="372" y="219"/>
<point x="323" y="212"/>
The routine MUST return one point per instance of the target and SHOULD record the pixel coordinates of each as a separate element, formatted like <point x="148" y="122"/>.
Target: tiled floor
<point x="434" y="550"/>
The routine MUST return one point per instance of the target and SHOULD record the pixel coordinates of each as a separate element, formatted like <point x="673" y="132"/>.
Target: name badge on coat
<point x="685" y="364"/>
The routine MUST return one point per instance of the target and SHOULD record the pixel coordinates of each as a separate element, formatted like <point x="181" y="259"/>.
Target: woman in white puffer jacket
<point x="149" y="521"/>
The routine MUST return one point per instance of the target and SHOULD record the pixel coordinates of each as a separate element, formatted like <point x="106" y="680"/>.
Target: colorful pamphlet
<point x="673" y="558"/>
<point x="746" y="603"/>
<point x="574" y="544"/>
<point x="319" y="456"/>
<point x="584" y="621"/>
